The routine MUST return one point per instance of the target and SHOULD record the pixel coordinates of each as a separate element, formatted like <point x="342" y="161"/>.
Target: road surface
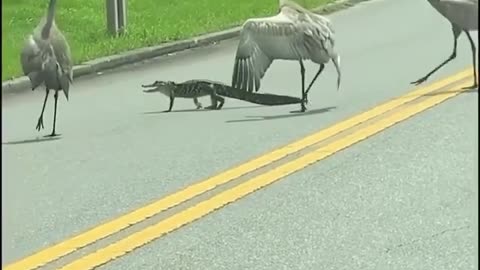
<point x="383" y="203"/>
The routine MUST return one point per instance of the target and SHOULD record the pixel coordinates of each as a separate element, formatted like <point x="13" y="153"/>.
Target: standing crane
<point x="463" y="17"/>
<point x="46" y="59"/>
<point x="295" y="33"/>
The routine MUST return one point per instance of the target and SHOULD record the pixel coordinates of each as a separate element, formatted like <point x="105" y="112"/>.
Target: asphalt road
<point x="116" y="154"/>
<point x="384" y="203"/>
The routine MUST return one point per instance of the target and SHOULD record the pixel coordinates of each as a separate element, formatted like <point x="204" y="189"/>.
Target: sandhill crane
<point x="463" y="17"/>
<point x="46" y="59"/>
<point x="294" y="33"/>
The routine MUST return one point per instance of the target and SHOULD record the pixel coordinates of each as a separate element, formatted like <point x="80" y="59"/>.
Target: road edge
<point x="21" y="84"/>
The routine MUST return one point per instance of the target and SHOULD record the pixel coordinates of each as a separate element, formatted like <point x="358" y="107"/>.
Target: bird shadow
<point x="36" y="140"/>
<point x="461" y="91"/>
<point x="204" y="110"/>
<point x="282" y="116"/>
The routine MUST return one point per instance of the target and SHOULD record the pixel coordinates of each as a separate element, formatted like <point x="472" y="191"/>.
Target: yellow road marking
<point x="109" y="228"/>
<point x="201" y="209"/>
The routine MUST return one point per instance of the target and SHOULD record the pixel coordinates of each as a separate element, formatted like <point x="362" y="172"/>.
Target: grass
<point x="149" y="22"/>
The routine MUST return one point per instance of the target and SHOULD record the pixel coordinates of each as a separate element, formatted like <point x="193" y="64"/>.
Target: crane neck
<point x="48" y="23"/>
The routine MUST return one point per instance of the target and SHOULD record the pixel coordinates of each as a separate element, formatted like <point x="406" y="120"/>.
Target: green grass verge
<point x="149" y="22"/>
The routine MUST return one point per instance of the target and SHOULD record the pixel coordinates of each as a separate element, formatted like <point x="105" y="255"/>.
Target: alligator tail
<point x="256" y="98"/>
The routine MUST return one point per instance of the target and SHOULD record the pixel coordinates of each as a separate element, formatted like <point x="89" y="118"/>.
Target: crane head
<point x="293" y="3"/>
<point x="298" y="5"/>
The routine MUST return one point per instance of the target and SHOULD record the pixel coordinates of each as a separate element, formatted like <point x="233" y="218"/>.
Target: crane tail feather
<point x="35" y="79"/>
<point x="65" y="84"/>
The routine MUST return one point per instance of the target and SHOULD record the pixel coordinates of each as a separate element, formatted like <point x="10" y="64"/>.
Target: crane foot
<point x="419" y="81"/>
<point x="304" y="101"/>
<point x="303" y="108"/>
<point x="40" y="123"/>
<point x="53" y="134"/>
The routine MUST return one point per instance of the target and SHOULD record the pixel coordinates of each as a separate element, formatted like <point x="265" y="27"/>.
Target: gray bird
<point x="46" y="59"/>
<point x="295" y="33"/>
<point x="463" y="17"/>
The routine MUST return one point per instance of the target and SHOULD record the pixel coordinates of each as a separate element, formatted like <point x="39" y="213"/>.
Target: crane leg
<point x="474" y="56"/>
<point x="40" y="119"/>
<point x="302" y="73"/>
<point x="53" y="134"/>
<point x="456" y="33"/>
<point x="322" y="66"/>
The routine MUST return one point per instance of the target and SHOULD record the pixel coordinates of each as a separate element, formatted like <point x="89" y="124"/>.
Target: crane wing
<point x="62" y="53"/>
<point x="64" y="59"/>
<point x="29" y="56"/>
<point x="463" y="13"/>
<point x="251" y="62"/>
<point x="30" y="60"/>
<point x="289" y="36"/>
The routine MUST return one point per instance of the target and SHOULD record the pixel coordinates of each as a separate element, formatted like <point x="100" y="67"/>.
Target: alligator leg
<point x="172" y="98"/>
<point x="220" y="101"/>
<point x="197" y="103"/>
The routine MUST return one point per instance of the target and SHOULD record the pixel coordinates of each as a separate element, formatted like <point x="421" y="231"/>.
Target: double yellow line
<point x="402" y="108"/>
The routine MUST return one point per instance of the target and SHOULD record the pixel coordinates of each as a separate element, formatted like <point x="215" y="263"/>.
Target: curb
<point x="21" y="84"/>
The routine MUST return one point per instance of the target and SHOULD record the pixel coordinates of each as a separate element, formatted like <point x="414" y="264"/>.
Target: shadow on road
<point x="469" y="91"/>
<point x="204" y="110"/>
<point x="292" y="114"/>
<point x="36" y="140"/>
